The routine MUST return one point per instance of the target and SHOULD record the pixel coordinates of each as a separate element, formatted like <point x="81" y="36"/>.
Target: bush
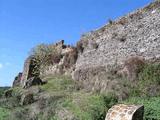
<point x="150" y="74"/>
<point x="133" y="67"/>
<point x="2" y="90"/>
<point x="89" y="106"/>
<point x="151" y="106"/>
<point x="147" y="82"/>
<point x="46" y="54"/>
<point x="110" y="100"/>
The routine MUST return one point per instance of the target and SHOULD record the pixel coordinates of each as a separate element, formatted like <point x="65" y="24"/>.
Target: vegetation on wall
<point x="46" y="54"/>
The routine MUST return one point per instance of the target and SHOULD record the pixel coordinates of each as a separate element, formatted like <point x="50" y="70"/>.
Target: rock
<point x="32" y="81"/>
<point x="30" y="69"/>
<point x="8" y="93"/>
<point x="125" y="112"/>
<point x="17" y="80"/>
<point x="26" y="99"/>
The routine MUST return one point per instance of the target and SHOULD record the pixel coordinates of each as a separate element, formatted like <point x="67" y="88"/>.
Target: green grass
<point x="81" y="104"/>
<point x="3" y="113"/>
<point x="151" y="105"/>
<point x="58" y="83"/>
<point x="86" y="106"/>
<point x="148" y="79"/>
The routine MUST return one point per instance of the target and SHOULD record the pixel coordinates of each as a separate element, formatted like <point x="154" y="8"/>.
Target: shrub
<point x="150" y="73"/>
<point x="46" y="54"/>
<point x="151" y="106"/>
<point x="147" y="83"/>
<point x="149" y="80"/>
<point x="2" y="90"/>
<point x="110" y="100"/>
<point x="110" y="21"/>
<point x="89" y="106"/>
<point x="133" y="66"/>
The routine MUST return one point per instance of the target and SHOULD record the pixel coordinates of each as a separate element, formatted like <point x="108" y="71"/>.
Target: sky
<point x="26" y="23"/>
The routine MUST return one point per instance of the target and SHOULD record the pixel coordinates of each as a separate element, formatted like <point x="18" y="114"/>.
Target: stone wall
<point x="136" y="34"/>
<point x="66" y="64"/>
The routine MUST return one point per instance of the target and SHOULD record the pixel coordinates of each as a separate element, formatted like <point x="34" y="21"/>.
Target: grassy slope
<point x="81" y="104"/>
<point x="68" y="102"/>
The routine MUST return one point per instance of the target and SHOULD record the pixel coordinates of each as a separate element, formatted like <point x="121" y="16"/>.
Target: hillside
<point x="116" y="64"/>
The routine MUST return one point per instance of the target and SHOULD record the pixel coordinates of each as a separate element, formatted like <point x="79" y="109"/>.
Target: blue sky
<point x="26" y="23"/>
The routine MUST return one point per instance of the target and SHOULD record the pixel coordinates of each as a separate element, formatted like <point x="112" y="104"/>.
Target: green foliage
<point x="3" y="113"/>
<point x="89" y="106"/>
<point x="147" y="83"/>
<point x="149" y="78"/>
<point x="2" y="89"/>
<point x="110" y="99"/>
<point x="83" y="105"/>
<point x="150" y="74"/>
<point x="151" y="105"/>
<point x="45" y="54"/>
<point x="12" y="102"/>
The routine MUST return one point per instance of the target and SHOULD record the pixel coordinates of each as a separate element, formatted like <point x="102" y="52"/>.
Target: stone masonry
<point x="125" y="112"/>
<point x="136" y="34"/>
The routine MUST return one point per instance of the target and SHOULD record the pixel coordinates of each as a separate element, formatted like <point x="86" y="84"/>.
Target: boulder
<point x="32" y="81"/>
<point x="8" y="93"/>
<point x="17" y="80"/>
<point x="125" y="112"/>
<point x="27" y="98"/>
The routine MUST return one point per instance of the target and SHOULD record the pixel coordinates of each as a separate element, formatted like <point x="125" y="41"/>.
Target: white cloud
<point x="1" y="65"/>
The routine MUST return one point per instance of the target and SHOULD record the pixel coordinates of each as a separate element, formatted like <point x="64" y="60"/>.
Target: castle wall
<point x="136" y="34"/>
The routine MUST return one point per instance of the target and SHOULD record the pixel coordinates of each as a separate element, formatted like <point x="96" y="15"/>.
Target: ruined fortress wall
<point x="137" y="33"/>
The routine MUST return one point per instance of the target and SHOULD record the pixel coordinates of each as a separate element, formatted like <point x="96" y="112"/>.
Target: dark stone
<point x="33" y="81"/>
<point x="17" y="80"/>
<point x="27" y="99"/>
<point x="138" y="115"/>
<point x="8" y="93"/>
